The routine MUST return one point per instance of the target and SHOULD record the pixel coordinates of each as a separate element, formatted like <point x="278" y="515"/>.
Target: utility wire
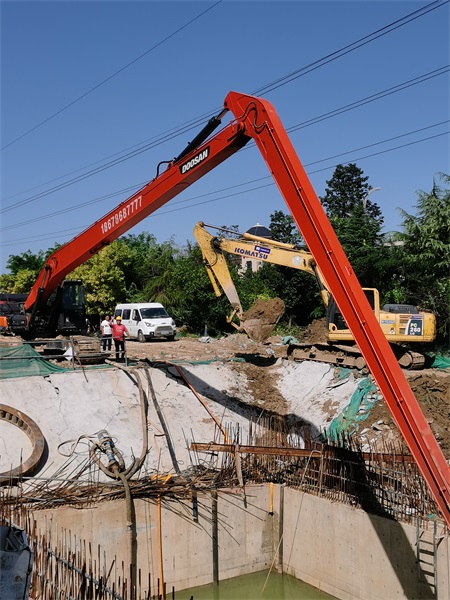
<point x="161" y="140"/>
<point x="187" y="126"/>
<point x="140" y="185"/>
<point x="135" y="60"/>
<point x="234" y="194"/>
<point x="351" y="47"/>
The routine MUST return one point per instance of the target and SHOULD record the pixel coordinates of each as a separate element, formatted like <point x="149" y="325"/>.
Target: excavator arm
<point x="259" y="323"/>
<point x="255" y="118"/>
<point x="191" y="164"/>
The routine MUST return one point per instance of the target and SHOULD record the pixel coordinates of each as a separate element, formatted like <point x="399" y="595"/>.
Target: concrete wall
<point x="244" y="541"/>
<point x="336" y="548"/>
<point x="353" y="555"/>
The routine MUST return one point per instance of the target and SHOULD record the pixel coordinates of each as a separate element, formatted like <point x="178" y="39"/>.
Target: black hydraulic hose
<point x="143" y="401"/>
<point x="201" y="136"/>
<point x="137" y="463"/>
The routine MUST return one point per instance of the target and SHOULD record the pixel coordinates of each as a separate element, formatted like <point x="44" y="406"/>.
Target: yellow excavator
<point x="402" y="324"/>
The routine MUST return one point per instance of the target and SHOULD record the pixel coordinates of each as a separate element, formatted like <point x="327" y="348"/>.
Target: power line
<point x="234" y="194"/>
<point x="135" y="60"/>
<point x="188" y="126"/>
<point x="351" y="47"/>
<point x="158" y="141"/>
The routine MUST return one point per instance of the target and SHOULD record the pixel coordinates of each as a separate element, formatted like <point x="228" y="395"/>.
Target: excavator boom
<point x="248" y="246"/>
<point x="255" y="118"/>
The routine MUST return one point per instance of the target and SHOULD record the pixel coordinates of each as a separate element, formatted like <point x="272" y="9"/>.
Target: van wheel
<point x="140" y="336"/>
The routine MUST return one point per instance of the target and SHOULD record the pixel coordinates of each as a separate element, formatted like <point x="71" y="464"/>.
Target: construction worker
<point x="119" y="332"/>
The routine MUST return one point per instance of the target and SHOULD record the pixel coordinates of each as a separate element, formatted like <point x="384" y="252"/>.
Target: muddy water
<point x="256" y="586"/>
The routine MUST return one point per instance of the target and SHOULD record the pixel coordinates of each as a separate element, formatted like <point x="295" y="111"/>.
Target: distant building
<point x="391" y="238"/>
<point x="252" y="264"/>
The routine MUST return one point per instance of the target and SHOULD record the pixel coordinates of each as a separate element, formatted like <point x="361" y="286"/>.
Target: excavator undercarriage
<point x="260" y="320"/>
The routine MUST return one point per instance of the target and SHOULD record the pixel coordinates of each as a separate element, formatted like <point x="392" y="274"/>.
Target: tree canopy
<point x="426" y="266"/>
<point x="411" y="267"/>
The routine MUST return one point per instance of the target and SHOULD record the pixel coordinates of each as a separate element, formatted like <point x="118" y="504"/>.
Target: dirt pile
<point x="258" y="322"/>
<point x="431" y="387"/>
<point x="316" y="332"/>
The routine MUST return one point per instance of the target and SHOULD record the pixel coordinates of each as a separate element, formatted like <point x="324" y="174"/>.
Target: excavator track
<point x="343" y="356"/>
<point x="408" y="359"/>
<point x="350" y="356"/>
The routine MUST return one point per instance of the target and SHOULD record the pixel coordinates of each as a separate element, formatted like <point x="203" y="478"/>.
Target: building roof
<point x="260" y="231"/>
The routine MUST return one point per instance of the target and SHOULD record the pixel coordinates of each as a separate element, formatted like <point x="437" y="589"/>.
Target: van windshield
<point x="153" y="313"/>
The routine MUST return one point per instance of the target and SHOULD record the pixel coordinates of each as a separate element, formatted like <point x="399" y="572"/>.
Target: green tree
<point x="24" y="269"/>
<point x="297" y="289"/>
<point x="191" y="298"/>
<point x="347" y="189"/>
<point x="27" y="260"/>
<point x="7" y="282"/>
<point x="103" y="277"/>
<point x="426" y="237"/>
<point x="19" y="283"/>
<point x="355" y="218"/>
<point x="141" y="247"/>
<point x="284" y="229"/>
<point x="161" y="265"/>
<point x="151" y="268"/>
<point x="357" y="221"/>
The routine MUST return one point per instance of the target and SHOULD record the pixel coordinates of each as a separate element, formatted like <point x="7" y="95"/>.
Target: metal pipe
<point x="215" y="537"/>
<point x="160" y="549"/>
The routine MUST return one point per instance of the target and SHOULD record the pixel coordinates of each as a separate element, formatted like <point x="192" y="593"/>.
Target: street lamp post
<point x="364" y="200"/>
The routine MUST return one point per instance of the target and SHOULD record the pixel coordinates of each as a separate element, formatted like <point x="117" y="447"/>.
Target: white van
<point x="146" y="321"/>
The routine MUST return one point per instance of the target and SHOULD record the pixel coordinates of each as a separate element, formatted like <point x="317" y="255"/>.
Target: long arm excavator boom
<point x="255" y="118"/>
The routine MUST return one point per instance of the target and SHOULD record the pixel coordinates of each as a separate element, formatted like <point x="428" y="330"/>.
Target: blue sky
<point x="85" y="83"/>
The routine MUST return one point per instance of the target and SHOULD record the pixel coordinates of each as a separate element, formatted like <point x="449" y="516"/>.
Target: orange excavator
<point x="253" y="119"/>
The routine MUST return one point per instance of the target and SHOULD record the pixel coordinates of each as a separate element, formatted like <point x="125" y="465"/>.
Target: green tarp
<point x="362" y="400"/>
<point x="441" y="362"/>
<point x="24" y="361"/>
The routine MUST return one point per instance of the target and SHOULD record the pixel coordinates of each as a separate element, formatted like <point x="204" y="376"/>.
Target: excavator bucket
<point x="259" y="321"/>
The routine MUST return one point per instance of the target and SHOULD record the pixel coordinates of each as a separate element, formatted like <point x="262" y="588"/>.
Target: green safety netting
<point x="24" y="361"/>
<point x="441" y="362"/>
<point x="362" y="400"/>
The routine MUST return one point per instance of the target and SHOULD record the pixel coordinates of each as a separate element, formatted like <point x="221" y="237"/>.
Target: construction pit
<point x="200" y="460"/>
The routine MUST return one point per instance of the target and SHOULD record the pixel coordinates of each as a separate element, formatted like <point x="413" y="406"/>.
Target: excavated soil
<point x="261" y="318"/>
<point x="430" y="386"/>
<point x="315" y="332"/>
<point x="255" y="359"/>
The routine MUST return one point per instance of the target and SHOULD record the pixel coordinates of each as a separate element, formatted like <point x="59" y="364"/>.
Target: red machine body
<point x="256" y="119"/>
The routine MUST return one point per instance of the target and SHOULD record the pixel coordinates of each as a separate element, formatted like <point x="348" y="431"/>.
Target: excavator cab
<point x="66" y="309"/>
<point x="338" y="329"/>
<point x="63" y="314"/>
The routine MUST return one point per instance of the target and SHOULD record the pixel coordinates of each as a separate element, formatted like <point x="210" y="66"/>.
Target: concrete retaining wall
<point x="244" y="540"/>
<point x="354" y="555"/>
<point x="336" y="548"/>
